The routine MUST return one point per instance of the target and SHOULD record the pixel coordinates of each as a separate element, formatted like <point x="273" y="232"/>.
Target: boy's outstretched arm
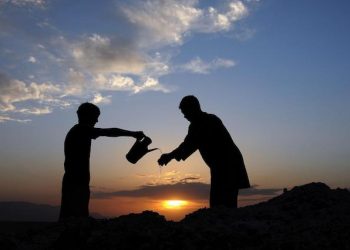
<point x="116" y="132"/>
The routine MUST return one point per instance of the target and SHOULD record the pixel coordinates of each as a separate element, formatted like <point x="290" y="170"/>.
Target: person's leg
<point x="216" y="190"/>
<point x="85" y="202"/>
<point x="230" y="197"/>
<point x="214" y="200"/>
<point x="222" y="191"/>
<point x="66" y="199"/>
<point x="81" y="203"/>
<point x="75" y="198"/>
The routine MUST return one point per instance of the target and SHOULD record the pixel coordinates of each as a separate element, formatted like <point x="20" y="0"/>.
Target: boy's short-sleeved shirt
<point x="77" y="148"/>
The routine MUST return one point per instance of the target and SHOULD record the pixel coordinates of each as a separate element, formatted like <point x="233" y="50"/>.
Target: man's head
<point x="88" y="114"/>
<point x="190" y="107"/>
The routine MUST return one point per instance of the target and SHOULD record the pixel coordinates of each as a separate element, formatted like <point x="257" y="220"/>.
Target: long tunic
<point x="208" y="134"/>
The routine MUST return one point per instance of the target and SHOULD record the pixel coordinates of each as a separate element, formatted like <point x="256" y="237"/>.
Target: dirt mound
<point x="311" y="216"/>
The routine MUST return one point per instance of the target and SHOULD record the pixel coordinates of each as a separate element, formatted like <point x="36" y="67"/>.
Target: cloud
<point x="13" y="91"/>
<point x="180" y="19"/>
<point x="32" y="59"/>
<point x="244" y="34"/>
<point x="76" y="86"/>
<point x="190" y="179"/>
<point x="114" y="82"/>
<point x="163" y="21"/>
<point x="150" y="83"/>
<point x="101" y="54"/>
<point x="35" y="111"/>
<point x="158" y="65"/>
<point x="92" y="65"/>
<point x="197" y="190"/>
<point x="33" y="98"/>
<point x="170" y="177"/>
<point x="213" y="20"/>
<point x="111" y="61"/>
<point x="7" y="118"/>
<point x="125" y="83"/>
<point x="39" y="3"/>
<point x="29" y="98"/>
<point x="99" y="99"/>
<point x="197" y="65"/>
<point x="183" y="189"/>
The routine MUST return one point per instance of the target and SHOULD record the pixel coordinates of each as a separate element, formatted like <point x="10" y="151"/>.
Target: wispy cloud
<point x="39" y="3"/>
<point x="214" y="20"/>
<point x="99" y="99"/>
<point x="32" y="59"/>
<point x="101" y="54"/>
<point x="169" y="178"/>
<point x="181" y="190"/>
<point x="153" y="16"/>
<point x="117" y="82"/>
<point x="7" y="118"/>
<point x="197" y="65"/>
<point x="180" y="19"/>
<point x="13" y="91"/>
<point x="35" y="111"/>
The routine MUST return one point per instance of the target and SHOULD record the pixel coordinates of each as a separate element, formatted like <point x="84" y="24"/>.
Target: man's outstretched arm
<point x="182" y="152"/>
<point x="166" y="158"/>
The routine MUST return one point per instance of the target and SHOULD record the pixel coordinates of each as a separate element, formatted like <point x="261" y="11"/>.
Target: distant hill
<point x="26" y="211"/>
<point x="311" y="216"/>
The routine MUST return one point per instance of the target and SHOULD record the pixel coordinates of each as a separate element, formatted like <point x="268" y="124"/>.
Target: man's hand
<point x="139" y="135"/>
<point x="165" y="159"/>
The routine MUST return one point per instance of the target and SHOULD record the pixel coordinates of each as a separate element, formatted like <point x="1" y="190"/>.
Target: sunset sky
<point x="276" y="73"/>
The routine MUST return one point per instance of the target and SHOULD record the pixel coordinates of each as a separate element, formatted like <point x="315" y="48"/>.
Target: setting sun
<point x="175" y="204"/>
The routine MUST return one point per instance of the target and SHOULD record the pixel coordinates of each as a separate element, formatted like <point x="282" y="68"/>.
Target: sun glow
<point x="175" y="204"/>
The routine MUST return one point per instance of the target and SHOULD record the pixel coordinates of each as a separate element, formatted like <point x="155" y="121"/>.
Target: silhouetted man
<point x="208" y="134"/>
<point x="77" y="146"/>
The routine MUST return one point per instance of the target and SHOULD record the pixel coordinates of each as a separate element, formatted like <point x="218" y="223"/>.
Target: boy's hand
<point x="165" y="159"/>
<point x="139" y="135"/>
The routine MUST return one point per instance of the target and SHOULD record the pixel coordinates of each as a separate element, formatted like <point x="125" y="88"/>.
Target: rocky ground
<point x="311" y="216"/>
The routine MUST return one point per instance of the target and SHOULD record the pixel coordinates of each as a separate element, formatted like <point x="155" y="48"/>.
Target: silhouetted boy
<point x="208" y="134"/>
<point x="77" y="146"/>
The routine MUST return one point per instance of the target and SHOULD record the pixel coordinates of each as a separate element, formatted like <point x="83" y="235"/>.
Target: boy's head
<point x="88" y="114"/>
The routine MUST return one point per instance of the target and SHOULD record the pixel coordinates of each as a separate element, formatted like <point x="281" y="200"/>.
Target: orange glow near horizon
<point x="175" y="204"/>
<point x="172" y="208"/>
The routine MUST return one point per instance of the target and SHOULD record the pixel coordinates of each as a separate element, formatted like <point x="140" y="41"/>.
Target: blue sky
<point x="276" y="73"/>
